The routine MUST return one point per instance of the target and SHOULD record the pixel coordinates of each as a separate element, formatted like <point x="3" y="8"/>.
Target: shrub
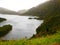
<point x="5" y="29"/>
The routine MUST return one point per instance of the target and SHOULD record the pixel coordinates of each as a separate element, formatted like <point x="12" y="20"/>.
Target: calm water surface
<point x="22" y="26"/>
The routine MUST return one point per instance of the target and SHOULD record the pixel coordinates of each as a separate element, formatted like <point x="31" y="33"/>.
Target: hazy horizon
<point x="16" y="5"/>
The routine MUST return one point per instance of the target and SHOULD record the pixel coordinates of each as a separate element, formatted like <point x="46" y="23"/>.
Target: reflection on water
<point x="22" y="26"/>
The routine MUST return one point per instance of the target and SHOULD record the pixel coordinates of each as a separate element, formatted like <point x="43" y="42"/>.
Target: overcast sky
<point x="20" y="4"/>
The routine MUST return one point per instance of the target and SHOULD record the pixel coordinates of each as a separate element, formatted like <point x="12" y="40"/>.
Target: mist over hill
<point x="45" y="9"/>
<point x="22" y="11"/>
<point x="7" y="11"/>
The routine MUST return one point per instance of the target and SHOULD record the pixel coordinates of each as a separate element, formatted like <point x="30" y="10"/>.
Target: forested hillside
<point x="51" y="24"/>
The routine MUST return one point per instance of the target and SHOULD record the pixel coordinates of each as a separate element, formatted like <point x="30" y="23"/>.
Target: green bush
<point x="49" y="26"/>
<point x="2" y="19"/>
<point x="5" y="29"/>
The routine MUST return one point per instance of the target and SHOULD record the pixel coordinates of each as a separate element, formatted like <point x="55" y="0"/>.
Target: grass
<point x="48" y="40"/>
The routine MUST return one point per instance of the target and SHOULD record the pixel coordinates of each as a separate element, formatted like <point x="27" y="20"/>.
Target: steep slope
<point x="51" y="23"/>
<point x="44" y="10"/>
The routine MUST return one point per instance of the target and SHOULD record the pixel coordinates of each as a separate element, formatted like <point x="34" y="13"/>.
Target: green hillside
<point x="46" y="9"/>
<point x="51" y="22"/>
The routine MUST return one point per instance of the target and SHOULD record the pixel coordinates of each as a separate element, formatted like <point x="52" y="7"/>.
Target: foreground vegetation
<point x="48" y="40"/>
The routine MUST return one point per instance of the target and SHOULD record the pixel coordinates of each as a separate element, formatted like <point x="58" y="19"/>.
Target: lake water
<point x="22" y="26"/>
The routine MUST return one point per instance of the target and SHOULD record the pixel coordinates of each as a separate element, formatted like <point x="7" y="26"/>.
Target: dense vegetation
<point x="50" y="26"/>
<point x="2" y="19"/>
<point x="51" y="23"/>
<point x="5" y="29"/>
